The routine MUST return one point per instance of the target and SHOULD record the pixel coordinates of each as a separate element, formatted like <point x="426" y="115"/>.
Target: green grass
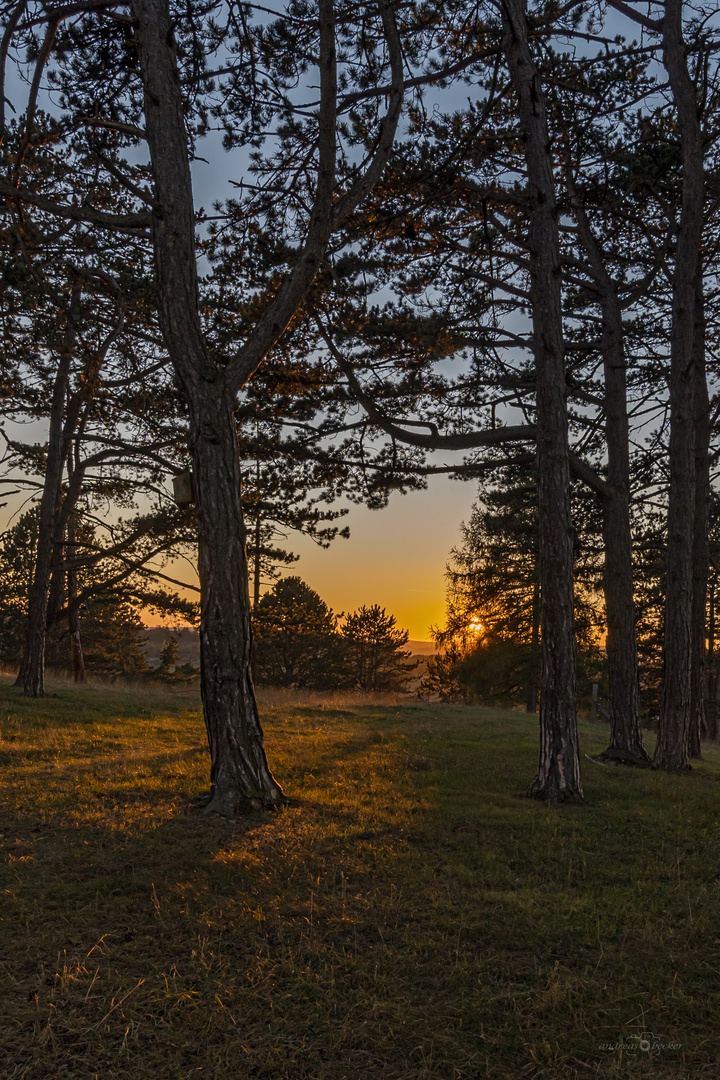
<point x="414" y="917"/>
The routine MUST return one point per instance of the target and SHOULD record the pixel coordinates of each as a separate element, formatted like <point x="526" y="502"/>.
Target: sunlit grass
<point x="412" y="917"/>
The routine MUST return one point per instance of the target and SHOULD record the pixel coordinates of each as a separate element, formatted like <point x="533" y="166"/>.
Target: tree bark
<point x="711" y="714"/>
<point x="32" y="669"/>
<point x="76" y="650"/>
<point x="57" y="583"/>
<point x="240" y="776"/>
<point x="672" y="750"/>
<point x="626" y="744"/>
<point x="701" y="555"/>
<point x="558" y="776"/>
<point x="531" y="700"/>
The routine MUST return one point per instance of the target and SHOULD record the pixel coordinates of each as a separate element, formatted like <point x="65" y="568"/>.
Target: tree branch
<point x="75" y="213"/>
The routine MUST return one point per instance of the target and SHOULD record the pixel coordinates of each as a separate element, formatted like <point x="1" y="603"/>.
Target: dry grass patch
<point x="412" y="917"/>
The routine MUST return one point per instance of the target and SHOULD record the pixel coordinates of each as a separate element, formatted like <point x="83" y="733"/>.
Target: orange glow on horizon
<point x="395" y="557"/>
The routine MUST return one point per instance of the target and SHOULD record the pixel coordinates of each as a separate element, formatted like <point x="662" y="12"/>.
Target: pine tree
<point x="296" y="639"/>
<point x="121" y="84"/>
<point x="491" y="639"/>
<point x="373" y="646"/>
<point x="489" y="647"/>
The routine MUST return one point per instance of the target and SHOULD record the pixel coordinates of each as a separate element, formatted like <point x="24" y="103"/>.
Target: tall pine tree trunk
<point x="625" y="733"/>
<point x="239" y="771"/>
<point x="711" y="712"/>
<point x="32" y="669"/>
<point x="76" y="651"/>
<point x="77" y="656"/>
<point x="701" y="558"/>
<point x="558" y="776"/>
<point x="56" y="589"/>
<point x="672" y="750"/>
<point x="240" y="775"/>
<point x="239" y="768"/>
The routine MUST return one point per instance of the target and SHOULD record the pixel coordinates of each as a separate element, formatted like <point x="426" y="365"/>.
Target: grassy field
<point x="414" y="917"/>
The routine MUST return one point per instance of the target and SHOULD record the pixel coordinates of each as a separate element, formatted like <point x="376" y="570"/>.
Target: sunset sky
<point x="395" y="557"/>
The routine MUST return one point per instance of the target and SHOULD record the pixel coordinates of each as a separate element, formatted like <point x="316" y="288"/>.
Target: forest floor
<point x="412" y="918"/>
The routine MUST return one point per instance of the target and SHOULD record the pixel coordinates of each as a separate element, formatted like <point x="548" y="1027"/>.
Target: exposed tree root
<point x="556" y="796"/>
<point x="672" y="768"/>
<point x="231" y="803"/>
<point x="636" y="760"/>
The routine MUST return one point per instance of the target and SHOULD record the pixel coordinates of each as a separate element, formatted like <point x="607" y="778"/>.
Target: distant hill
<point x="421" y="648"/>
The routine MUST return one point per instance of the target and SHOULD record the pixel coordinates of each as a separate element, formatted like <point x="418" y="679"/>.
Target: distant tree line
<point x="109" y="608"/>
<point x="300" y="642"/>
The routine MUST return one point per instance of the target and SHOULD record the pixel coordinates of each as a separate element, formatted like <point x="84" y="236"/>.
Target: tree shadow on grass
<point x="393" y="922"/>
